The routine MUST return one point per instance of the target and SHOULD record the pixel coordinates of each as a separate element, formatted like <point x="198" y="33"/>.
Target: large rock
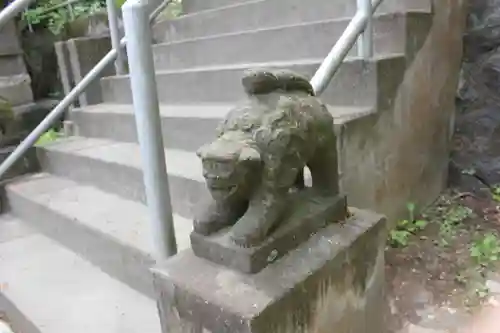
<point x="481" y="67"/>
<point x="476" y="154"/>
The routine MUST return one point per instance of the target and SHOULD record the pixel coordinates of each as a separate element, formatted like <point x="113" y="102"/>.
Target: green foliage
<point x="399" y="236"/>
<point x="119" y="3"/>
<point x="495" y="193"/>
<point x="39" y="14"/>
<point x="48" y="137"/>
<point x="174" y="9"/>
<point x="452" y="219"/>
<point x="486" y="249"/>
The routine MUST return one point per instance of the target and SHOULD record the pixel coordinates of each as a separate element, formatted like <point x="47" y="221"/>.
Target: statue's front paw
<point x="211" y="219"/>
<point x="204" y="226"/>
<point x="248" y="232"/>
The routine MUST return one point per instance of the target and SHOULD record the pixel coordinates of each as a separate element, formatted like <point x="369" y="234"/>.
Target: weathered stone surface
<point x="9" y="42"/>
<point x="27" y="164"/>
<point x="309" y="214"/>
<point x="12" y="65"/>
<point x="41" y="62"/>
<point x="76" y="57"/>
<point x="475" y="158"/>
<point x="332" y="283"/>
<point x="259" y="156"/>
<point x="16" y="89"/>
<point x="401" y="153"/>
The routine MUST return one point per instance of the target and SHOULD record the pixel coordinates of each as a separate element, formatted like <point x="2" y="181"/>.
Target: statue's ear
<point x="249" y="154"/>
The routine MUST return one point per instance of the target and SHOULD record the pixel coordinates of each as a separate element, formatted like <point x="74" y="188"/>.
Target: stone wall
<point x="403" y="149"/>
<point x="14" y="79"/>
<point x="76" y="57"/>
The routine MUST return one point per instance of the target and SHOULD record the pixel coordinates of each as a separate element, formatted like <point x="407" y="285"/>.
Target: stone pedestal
<point x="333" y="282"/>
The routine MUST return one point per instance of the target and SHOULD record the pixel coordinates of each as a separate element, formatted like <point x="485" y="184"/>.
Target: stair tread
<point x="122" y="220"/>
<point x="271" y="28"/>
<point x="254" y="14"/>
<point x="179" y="162"/>
<point x="211" y="111"/>
<point x="60" y="292"/>
<point x="270" y="64"/>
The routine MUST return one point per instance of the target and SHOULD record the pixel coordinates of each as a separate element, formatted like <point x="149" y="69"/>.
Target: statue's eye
<point x="221" y="168"/>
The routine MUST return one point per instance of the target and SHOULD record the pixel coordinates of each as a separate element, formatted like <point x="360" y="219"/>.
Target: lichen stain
<point x="337" y="306"/>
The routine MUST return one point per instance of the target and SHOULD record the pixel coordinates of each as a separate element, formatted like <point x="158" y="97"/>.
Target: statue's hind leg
<point x="299" y="181"/>
<point x="324" y="169"/>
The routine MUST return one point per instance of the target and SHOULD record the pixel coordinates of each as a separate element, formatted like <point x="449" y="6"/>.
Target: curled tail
<point x="263" y="81"/>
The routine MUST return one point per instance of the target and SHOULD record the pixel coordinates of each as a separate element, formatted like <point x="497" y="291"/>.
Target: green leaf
<point x="403" y="223"/>
<point x="475" y="252"/>
<point x="421" y="224"/>
<point x="399" y="238"/>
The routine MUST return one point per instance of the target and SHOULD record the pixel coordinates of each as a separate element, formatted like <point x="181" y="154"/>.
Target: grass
<point x="451" y="221"/>
<point x="485" y="249"/>
<point x="48" y="137"/>
<point x="399" y="236"/>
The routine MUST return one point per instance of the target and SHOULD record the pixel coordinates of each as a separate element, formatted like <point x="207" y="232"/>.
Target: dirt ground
<point x="445" y="269"/>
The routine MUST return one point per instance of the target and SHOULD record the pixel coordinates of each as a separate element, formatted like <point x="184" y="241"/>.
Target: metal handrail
<point x="360" y="25"/>
<point x="14" y="8"/>
<point x="56" y="113"/>
<point x="146" y="105"/>
<point x="148" y="124"/>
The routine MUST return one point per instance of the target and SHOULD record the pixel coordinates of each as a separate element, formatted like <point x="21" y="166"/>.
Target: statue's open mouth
<point x="218" y="185"/>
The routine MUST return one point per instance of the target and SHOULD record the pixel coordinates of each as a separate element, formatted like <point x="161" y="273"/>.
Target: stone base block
<point x="334" y="282"/>
<point x="310" y="214"/>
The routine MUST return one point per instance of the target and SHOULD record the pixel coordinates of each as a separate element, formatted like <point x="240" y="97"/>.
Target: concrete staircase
<point x="76" y="246"/>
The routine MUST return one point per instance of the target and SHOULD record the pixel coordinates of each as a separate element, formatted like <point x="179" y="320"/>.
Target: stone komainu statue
<point x="260" y="153"/>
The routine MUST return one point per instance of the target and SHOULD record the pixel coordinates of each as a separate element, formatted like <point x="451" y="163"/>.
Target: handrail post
<point x="115" y="36"/>
<point x="365" y="41"/>
<point x="148" y="123"/>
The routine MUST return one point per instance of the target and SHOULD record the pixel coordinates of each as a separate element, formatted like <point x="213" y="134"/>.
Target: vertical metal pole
<point x="147" y="115"/>
<point x="115" y="36"/>
<point x="365" y="41"/>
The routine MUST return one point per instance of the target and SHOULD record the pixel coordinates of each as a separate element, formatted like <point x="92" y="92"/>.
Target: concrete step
<point x="48" y="289"/>
<point x="16" y="89"/>
<point x="115" y="167"/>
<point x="184" y="127"/>
<point x="260" y="14"/>
<point x="108" y="231"/>
<point x="355" y="83"/>
<point x="279" y="43"/>
<point x="190" y="6"/>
